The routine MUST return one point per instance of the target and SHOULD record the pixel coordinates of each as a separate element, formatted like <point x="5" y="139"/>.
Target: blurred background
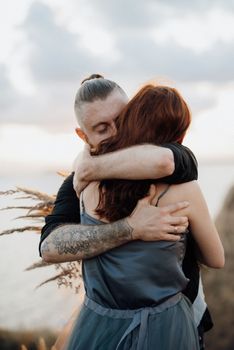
<point x="47" y="48"/>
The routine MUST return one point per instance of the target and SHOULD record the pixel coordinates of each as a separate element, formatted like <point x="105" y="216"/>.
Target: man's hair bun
<point x="93" y="88"/>
<point x="93" y="76"/>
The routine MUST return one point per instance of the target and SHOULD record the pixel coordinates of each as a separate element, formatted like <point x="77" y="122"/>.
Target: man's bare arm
<point x="136" y="163"/>
<point x="174" y="163"/>
<point x="76" y="242"/>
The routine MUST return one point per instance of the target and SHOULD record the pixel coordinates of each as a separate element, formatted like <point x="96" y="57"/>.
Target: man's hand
<point x="150" y="223"/>
<point x="81" y="166"/>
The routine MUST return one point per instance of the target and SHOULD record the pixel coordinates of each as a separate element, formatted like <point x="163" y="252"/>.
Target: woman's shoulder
<point x="178" y="192"/>
<point x="186" y="186"/>
<point x="188" y="189"/>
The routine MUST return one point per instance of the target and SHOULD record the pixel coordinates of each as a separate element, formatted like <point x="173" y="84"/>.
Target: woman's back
<point x="145" y="273"/>
<point x="138" y="273"/>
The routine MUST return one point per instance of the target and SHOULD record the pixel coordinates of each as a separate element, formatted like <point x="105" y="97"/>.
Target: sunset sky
<point x="48" y="47"/>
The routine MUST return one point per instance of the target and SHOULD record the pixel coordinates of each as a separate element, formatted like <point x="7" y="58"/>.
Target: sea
<point x="23" y="306"/>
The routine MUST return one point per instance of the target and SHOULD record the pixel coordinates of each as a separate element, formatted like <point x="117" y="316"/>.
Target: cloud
<point x="57" y="64"/>
<point x="199" y="5"/>
<point x="121" y="15"/>
<point x="134" y="14"/>
<point x="140" y="54"/>
<point x="50" y="108"/>
<point x="58" y="60"/>
<point x="9" y="95"/>
<point x="143" y="57"/>
<point x="56" y="53"/>
<point x="57" y="56"/>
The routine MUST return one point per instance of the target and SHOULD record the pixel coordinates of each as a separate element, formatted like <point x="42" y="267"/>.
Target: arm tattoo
<point x="75" y="242"/>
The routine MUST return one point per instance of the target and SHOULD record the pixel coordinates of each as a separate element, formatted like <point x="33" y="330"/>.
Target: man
<point x="98" y="103"/>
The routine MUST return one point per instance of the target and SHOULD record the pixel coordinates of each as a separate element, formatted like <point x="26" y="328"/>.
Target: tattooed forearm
<point x="75" y="242"/>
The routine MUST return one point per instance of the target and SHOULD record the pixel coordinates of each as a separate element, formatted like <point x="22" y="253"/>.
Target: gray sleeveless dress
<point x="133" y="299"/>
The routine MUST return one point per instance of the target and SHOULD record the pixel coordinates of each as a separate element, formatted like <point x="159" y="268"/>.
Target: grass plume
<point x="68" y="274"/>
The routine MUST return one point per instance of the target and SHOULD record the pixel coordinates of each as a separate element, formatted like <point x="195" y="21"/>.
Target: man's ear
<point x="82" y="135"/>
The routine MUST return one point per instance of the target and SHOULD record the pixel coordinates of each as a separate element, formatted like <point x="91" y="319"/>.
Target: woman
<point x="133" y="292"/>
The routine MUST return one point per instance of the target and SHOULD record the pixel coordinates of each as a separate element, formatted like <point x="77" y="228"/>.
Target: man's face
<point x="99" y="117"/>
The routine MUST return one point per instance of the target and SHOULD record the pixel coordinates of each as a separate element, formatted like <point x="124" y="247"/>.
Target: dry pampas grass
<point x="67" y="274"/>
<point x="41" y="345"/>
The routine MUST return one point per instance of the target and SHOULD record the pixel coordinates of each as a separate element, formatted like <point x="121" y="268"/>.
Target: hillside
<point x="219" y="284"/>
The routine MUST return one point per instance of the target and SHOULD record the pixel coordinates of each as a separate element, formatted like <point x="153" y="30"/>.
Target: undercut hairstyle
<point x="156" y="115"/>
<point x="93" y="88"/>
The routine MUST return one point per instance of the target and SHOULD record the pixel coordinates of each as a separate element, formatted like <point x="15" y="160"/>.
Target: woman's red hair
<point x="155" y="115"/>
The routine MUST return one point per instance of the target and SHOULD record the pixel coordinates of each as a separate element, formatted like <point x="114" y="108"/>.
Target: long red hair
<point x="155" y="115"/>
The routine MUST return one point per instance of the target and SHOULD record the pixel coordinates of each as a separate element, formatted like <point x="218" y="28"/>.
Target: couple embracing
<point x="134" y="214"/>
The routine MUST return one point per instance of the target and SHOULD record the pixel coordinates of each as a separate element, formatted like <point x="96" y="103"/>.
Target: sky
<point x="48" y="47"/>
